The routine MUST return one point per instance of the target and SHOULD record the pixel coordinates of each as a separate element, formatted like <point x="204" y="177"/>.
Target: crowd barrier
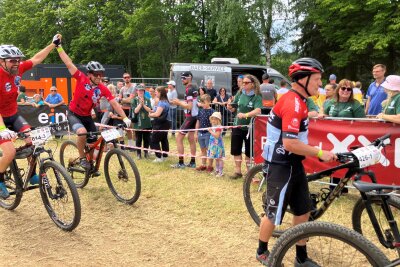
<point x="339" y="135"/>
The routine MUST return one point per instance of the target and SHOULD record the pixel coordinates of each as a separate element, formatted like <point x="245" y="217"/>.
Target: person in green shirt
<point x="248" y="104"/>
<point x="343" y="105"/>
<point x="391" y="108"/>
<point x="143" y="120"/>
<point x="22" y="99"/>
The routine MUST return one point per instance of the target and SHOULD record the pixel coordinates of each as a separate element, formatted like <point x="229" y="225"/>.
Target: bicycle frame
<point x="389" y="242"/>
<point x="335" y="193"/>
<point x="33" y="161"/>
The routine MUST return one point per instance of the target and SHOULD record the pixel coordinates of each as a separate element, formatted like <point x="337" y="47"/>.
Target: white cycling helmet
<point x="10" y="51"/>
<point x="94" y="66"/>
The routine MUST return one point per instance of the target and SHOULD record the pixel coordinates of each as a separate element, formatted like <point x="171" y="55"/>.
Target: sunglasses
<point x="127" y="77"/>
<point x="53" y="90"/>
<point x="348" y="89"/>
<point x="98" y="74"/>
<point x="13" y="60"/>
<point x="246" y="83"/>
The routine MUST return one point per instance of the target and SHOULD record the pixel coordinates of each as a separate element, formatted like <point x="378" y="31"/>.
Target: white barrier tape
<point x="179" y="155"/>
<point x="178" y="130"/>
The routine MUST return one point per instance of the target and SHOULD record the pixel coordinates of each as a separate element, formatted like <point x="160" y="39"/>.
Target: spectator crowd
<point x="208" y="110"/>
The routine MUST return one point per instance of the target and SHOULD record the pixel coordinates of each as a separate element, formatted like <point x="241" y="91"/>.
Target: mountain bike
<point x="333" y="245"/>
<point x="121" y="173"/>
<point x="58" y="192"/>
<point x="355" y="163"/>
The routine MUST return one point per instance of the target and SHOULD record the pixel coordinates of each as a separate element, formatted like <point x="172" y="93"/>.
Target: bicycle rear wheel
<point x="328" y="245"/>
<point x="14" y="185"/>
<point x="362" y="222"/>
<point x="254" y="191"/>
<point x="69" y="159"/>
<point x="59" y="196"/>
<point x="122" y="176"/>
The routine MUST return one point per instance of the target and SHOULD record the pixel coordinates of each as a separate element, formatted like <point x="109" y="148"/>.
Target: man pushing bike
<point x="11" y="69"/>
<point x="284" y="150"/>
<point x="88" y="91"/>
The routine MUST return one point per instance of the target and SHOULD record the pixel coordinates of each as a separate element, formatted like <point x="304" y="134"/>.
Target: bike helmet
<point x="304" y="67"/>
<point x="94" y="66"/>
<point x="10" y="51"/>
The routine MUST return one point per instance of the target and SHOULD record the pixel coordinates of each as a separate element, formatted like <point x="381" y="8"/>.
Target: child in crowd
<point x="216" y="148"/>
<point x="203" y="136"/>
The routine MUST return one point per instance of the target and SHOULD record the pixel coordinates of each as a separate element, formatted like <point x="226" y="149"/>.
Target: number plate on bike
<point x="40" y="135"/>
<point x="367" y="156"/>
<point x="110" y="134"/>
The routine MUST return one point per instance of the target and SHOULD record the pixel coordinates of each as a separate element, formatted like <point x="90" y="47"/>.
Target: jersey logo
<point x="295" y="122"/>
<point x="17" y="81"/>
<point x="88" y="87"/>
<point x="280" y="150"/>
<point x="296" y="105"/>
<point x="96" y="95"/>
<point x="250" y="105"/>
<point x="8" y="87"/>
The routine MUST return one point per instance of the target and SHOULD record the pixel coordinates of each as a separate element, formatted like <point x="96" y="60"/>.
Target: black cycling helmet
<point x="304" y="67"/>
<point x="10" y="51"/>
<point x="93" y="66"/>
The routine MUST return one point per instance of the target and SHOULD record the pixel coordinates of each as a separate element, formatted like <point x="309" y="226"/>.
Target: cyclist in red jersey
<point x="11" y="69"/>
<point x="88" y="91"/>
<point x="284" y="150"/>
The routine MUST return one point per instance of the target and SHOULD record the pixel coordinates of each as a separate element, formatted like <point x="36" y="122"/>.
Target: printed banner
<point x="43" y="115"/>
<point x="340" y="136"/>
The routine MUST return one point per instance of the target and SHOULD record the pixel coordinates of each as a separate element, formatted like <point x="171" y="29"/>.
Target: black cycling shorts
<point x="286" y="185"/>
<point x="15" y="123"/>
<point x="238" y="136"/>
<point x="76" y="122"/>
<point x="188" y="124"/>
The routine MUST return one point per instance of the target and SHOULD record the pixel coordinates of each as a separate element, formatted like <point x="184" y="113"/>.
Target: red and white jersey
<point x="9" y="89"/>
<point x="87" y="96"/>
<point x="287" y="119"/>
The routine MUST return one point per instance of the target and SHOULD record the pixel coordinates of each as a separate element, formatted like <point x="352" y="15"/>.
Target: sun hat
<point x="140" y="87"/>
<point x="172" y="83"/>
<point x="332" y="77"/>
<point x="392" y="83"/>
<point x="216" y="115"/>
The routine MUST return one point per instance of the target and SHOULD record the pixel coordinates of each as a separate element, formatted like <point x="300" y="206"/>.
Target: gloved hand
<point x="127" y="122"/>
<point x="57" y="39"/>
<point x="7" y="134"/>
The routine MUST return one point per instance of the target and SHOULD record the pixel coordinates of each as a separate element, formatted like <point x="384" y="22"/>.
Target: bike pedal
<point x="96" y="174"/>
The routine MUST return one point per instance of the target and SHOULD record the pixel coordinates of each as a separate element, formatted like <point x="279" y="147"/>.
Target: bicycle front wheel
<point x="14" y="185"/>
<point x="69" y="159"/>
<point x="362" y="222"/>
<point x="122" y="176"/>
<point x="59" y="196"/>
<point x="254" y="193"/>
<point x="328" y="245"/>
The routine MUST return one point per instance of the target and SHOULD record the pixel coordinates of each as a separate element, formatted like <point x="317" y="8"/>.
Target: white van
<point x="223" y="75"/>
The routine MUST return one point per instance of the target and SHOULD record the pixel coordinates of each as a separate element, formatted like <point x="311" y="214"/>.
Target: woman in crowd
<point x="160" y="122"/>
<point x="391" y="106"/>
<point x="343" y="105"/>
<point x="248" y="104"/>
<point x="221" y="101"/>
<point x="141" y="121"/>
<point x="38" y="101"/>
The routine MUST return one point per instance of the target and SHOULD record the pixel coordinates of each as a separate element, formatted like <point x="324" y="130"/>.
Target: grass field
<point x="182" y="218"/>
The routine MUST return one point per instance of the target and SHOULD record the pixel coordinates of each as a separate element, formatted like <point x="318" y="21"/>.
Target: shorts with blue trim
<point x="204" y="139"/>
<point x="286" y="185"/>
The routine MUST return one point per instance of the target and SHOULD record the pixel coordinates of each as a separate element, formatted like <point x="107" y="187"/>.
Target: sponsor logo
<point x="88" y="87"/>
<point x="272" y="202"/>
<point x="96" y="95"/>
<point x="295" y="122"/>
<point x="296" y="105"/>
<point x="290" y="127"/>
<point x="280" y="150"/>
<point x="8" y="87"/>
<point x="17" y="81"/>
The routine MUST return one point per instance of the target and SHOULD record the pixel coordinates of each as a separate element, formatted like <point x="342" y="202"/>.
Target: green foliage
<point x="351" y="36"/>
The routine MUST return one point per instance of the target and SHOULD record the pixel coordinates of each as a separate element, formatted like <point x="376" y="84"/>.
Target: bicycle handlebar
<point x="24" y="135"/>
<point x="379" y="142"/>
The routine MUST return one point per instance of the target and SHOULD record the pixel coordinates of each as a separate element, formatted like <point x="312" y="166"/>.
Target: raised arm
<point x="42" y="54"/>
